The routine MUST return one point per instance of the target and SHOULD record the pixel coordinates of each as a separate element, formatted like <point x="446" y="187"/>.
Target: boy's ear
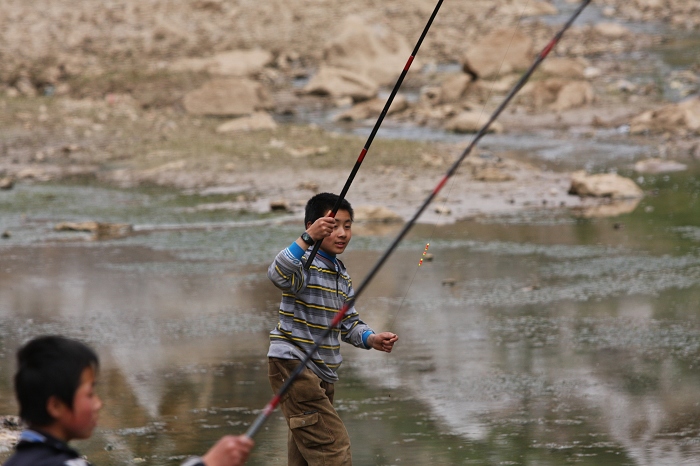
<point x="56" y="407"/>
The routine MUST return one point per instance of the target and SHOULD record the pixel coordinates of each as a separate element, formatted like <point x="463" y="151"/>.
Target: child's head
<point x="54" y="385"/>
<point x="319" y="206"/>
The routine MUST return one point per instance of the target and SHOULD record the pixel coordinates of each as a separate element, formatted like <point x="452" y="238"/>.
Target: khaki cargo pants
<point x="317" y="436"/>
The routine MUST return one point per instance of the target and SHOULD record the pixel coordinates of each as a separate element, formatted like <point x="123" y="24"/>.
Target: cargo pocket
<point x="276" y="378"/>
<point x="310" y="428"/>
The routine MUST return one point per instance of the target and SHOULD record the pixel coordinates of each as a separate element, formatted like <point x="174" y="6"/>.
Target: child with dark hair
<point x="311" y="298"/>
<point x="55" y="389"/>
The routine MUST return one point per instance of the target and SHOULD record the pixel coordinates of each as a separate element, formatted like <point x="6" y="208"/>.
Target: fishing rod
<point x="385" y="110"/>
<point x="272" y="404"/>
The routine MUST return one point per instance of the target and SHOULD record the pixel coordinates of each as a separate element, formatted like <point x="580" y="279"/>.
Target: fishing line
<point x="452" y="182"/>
<point x="373" y="133"/>
<point x="277" y="398"/>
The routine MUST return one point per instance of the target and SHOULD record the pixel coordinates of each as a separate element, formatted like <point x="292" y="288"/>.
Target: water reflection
<point x="533" y="339"/>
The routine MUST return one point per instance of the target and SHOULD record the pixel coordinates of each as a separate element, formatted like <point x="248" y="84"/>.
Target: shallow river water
<point x="536" y="339"/>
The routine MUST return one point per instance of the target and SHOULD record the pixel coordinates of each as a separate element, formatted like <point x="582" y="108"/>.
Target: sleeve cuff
<point x="365" y="336"/>
<point x="296" y="250"/>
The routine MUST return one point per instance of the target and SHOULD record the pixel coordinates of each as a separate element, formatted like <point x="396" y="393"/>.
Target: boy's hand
<point x="322" y="227"/>
<point x="229" y="451"/>
<point x="383" y="341"/>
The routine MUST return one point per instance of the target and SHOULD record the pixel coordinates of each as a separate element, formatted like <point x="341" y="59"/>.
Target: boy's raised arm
<point x="286" y="270"/>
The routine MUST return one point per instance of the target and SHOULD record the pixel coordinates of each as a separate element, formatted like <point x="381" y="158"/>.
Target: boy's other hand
<point x="383" y="341"/>
<point x="229" y="451"/>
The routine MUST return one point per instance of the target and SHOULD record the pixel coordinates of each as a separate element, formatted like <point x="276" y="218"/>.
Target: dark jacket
<point x="37" y="449"/>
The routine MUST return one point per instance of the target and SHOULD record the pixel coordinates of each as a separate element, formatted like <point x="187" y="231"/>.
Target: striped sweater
<point x="310" y="300"/>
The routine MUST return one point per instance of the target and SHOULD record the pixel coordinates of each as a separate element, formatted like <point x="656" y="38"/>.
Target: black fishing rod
<point x="270" y="407"/>
<point x="385" y="110"/>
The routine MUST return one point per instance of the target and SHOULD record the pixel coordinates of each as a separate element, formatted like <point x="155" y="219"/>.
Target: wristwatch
<point x="307" y="239"/>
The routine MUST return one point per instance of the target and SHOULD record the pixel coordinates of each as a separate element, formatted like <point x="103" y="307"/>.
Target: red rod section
<point x="408" y="63"/>
<point x="388" y="103"/>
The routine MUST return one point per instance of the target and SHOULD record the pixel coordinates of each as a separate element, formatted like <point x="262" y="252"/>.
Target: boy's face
<point x="342" y="233"/>
<point x="79" y="422"/>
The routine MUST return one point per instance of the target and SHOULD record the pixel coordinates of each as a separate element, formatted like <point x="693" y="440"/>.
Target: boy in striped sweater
<point x="310" y="300"/>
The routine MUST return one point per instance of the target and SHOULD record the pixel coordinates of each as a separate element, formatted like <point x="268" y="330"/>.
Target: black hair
<point x="321" y="203"/>
<point x="49" y="366"/>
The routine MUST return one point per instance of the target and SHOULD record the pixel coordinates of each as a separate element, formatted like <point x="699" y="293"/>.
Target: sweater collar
<point x="327" y="256"/>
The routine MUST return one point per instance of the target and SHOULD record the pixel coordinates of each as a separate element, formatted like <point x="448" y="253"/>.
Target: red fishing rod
<point x="385" y="110"/>
<point x="270" y="407"/>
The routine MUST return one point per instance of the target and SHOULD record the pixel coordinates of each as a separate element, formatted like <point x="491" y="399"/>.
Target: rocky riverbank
<point x="213" y="96"/>
<point x="10" y="428"/>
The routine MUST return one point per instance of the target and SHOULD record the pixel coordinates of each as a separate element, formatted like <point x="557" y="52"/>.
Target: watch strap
<point x="307" y="239"/>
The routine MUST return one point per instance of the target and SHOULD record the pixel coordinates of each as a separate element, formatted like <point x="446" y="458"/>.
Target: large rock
<point x="519" y="8"/>
<point x="541" y="93"/>
<point x="557" y="93"/>
<point x="254" y="122"/>
<point x="240" y="62"/>
<point x="25" y="86"/>
<point x="7" y="183"/>
<point x="337" y="82"/>
<point x="371" y="51"/>
<point x="563" y="67"/>
<point x="227" y="97"/>
<point x="500" y="52"/>
<point x="99" y="230"/>
<point x="231" y="63"/>
<point x="609" y="185"/>
<point x="454" y="88"/>
<point x="610" y="208"/>
<point x="574" y="94"/>
<point x="471" y="122"/>
<point x="673" y="117"/>
<point x="10" y="429"/>
<point x="490" y="173"/>
<point x="434" y="115"/>
<point x="611" y="30"/>
<point x="372" y="109"/>
<point x="658" y="166"/>
<point x="450" y="91"/>
<point x="33" y="173"/>
<point x="650" y="4"/>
